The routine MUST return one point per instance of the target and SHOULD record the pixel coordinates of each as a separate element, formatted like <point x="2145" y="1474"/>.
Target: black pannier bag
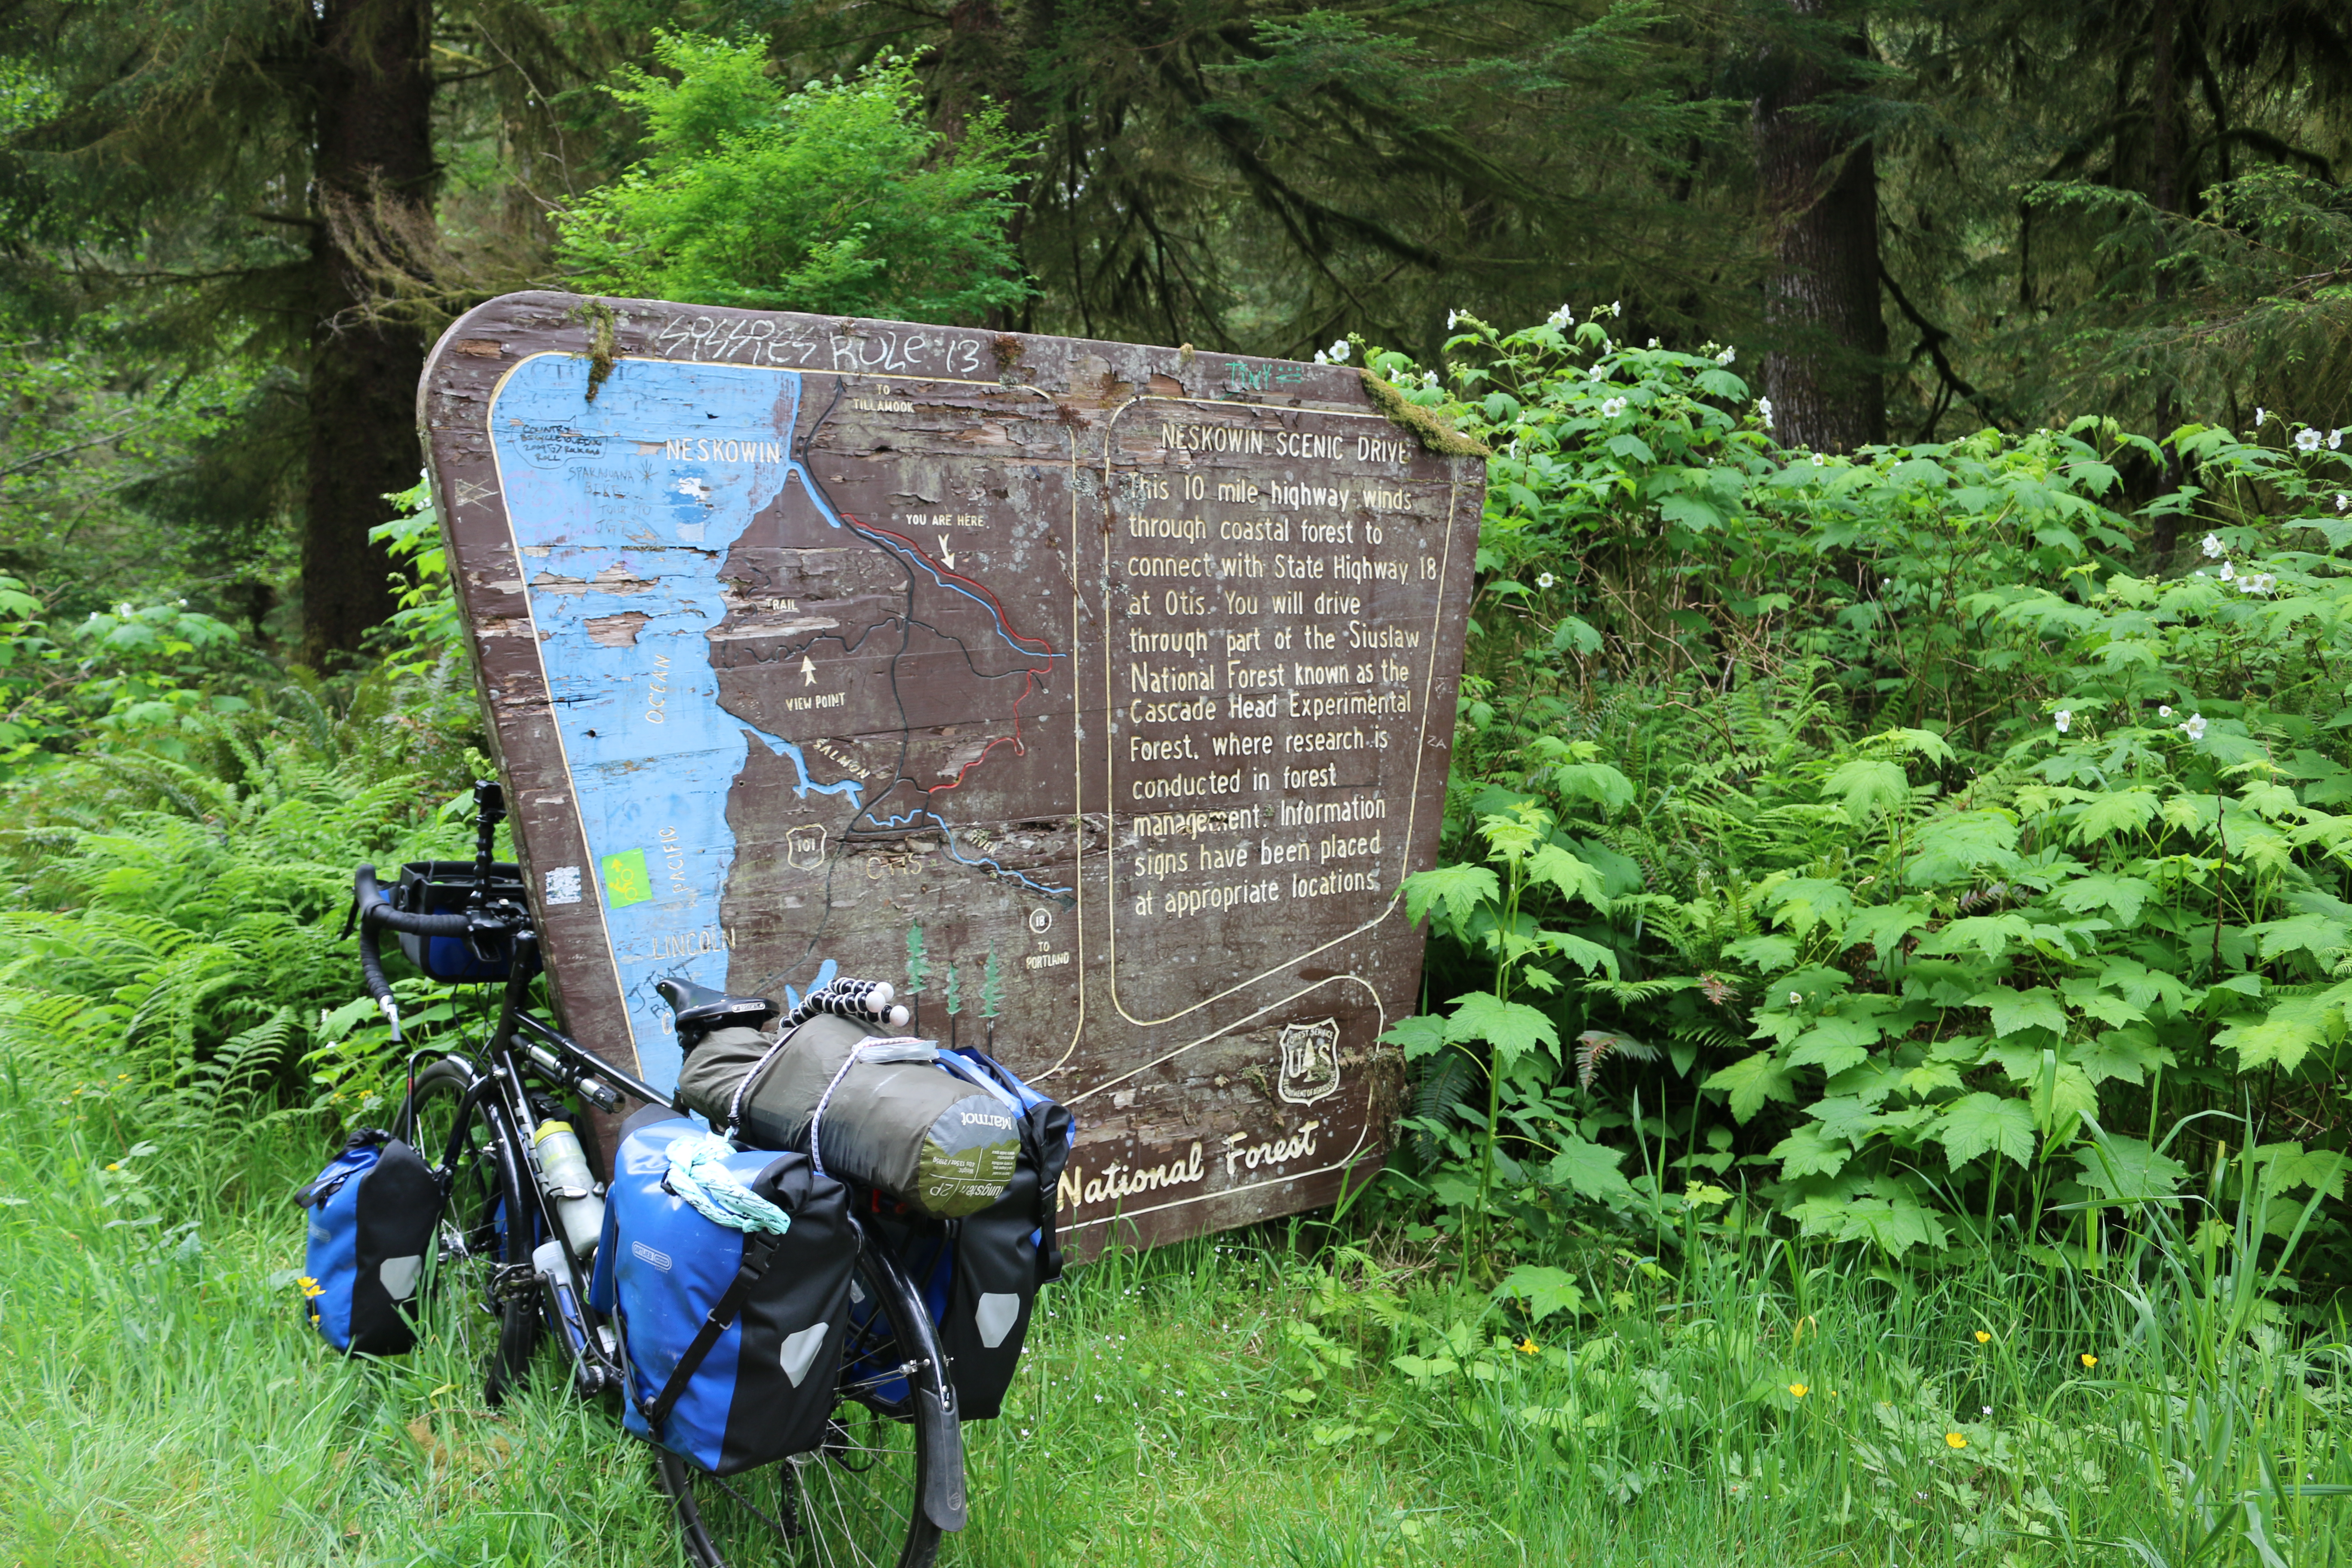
<point x="925" y="1131"/>
<point x="979" y="1275"/>
<point x="370" y="1220"/>
<point x="734" y="1337"/>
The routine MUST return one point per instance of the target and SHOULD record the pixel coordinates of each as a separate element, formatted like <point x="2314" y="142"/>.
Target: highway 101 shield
<point x="1098" y="696"/>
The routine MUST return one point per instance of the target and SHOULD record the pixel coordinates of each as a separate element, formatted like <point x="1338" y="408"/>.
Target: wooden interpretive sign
<point x="1098" y="696"/>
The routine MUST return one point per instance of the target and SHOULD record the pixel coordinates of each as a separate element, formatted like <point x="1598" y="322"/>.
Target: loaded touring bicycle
<point x="797" y="1337"/>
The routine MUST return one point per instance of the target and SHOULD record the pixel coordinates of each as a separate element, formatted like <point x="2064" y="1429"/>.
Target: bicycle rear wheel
<point x="487" y="1225"/>
<point x="873" y="1494"/>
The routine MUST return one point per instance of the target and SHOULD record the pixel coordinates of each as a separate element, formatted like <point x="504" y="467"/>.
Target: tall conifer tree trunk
<point x="1820" y="189"/>
<point x="371" y="100"/>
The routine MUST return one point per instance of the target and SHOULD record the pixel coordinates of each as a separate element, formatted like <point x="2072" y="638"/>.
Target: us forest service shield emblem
<point x="1311" y="1061"/>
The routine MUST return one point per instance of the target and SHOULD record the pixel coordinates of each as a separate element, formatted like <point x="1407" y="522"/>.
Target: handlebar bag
<point x="979" y="1275"/>
<point x="371" y="1217"/>
<point x="899" y="1115"/>
<point x="762" y="1388"/>
<point x="445" y="888"/>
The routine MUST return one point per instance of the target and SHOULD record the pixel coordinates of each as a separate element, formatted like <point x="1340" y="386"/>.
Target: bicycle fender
<point x="943" y="1490"/>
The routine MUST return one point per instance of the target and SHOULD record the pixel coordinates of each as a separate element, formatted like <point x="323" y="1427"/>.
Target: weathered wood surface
<point x="1132" y="668"/>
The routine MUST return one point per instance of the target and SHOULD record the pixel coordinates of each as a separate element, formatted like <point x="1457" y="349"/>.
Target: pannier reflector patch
<point x="800" y="1349"/>
<point x="399" y="1276"/>
<point x="997" y="1312"/>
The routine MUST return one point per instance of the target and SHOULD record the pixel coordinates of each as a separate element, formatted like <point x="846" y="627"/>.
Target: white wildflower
<point x="1820" y="461"/>
<point x="2213" y="545"/>
<point x="2066" y="716"/>
<point x="2228" y="572"/>
<point x="1339" y="351"/>
<point x="1727" y="356"/>
<point x="2308" y="439"/>
<point x="1597" y="374"/>
<point x="1545" y="580"/>
<point x="1611" y="407"/>
<point x="1651" y="343"/>
<point x="123" y="609"/>
<point x="1563" y="316"/>
<point x="2260" y="415"/>
<point x="2195" y="727"/>
<point x="1321" y="358"/>
<point x="2343" y="501"/>
<point x="2336" y="438"/>
<point x="1764" y="411"/>
<point x="1429" y="378"/>
<point x="1452" y="318"/>
<point x="1796" y="998"/>
<point x="2164" y="710"/>
<point x="2258" y="583"/>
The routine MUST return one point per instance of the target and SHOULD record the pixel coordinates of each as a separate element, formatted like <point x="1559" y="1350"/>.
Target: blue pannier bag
<point x="979" y="1275"/>
<point x="733" y="1336"/>
<point x="371" y="1216"/>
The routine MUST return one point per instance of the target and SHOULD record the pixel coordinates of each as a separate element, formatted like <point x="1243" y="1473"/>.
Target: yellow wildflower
<point x="310" y="1287"/>
<point x="1983" y="1338"/>
<point x="1796" y="1391"/>
<point x="1955" y="1440"/>
<point x="1529" y="1347"/>
<point x="2089" y="1361"/>
<point x="115" y="1166"/>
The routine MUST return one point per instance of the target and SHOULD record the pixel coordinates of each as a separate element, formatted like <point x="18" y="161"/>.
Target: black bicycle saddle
<point x="699" y="1010"/>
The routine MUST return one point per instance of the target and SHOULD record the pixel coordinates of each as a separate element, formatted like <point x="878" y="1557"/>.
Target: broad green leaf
<point x="2319" y="935"/>
<point x="1571" y="876"/>
<point x="1989" y="934"/>
<point x="1423" y="1035"/>
<point x="1512" y="1028"/>
<point x="1599" y="782"/>
<point x="1585" y="954"/>
<point x="1752" y="1080"/>
<point x="2123" y="895"/>
<point x="2014" y="1010"/>
<point x="1897" y="1222"/>
<point x="1885" y="926"/>
<point x="1833" y="1045"/>
<point x="1929" y="1077"/>
<point x="2288" y="1167"/>
<point x="1977" y="1122"/>
<point x="1545" y="1289"/>
<point x="1867" y="786"/>
<point x="1846" y="1117"/>
<point x="1765" y="954"/>
<point x="1806" y="1153"/>
<point x="2294" y="1030"/>
<point x="2127" y="1169"/>
<point x="1805" y="902"/>
<point x="1592" y="1170"/>
<point x="1460" y="888"/>
<point x="1951" y="847"/>
<point x="2120" y="811"/>
<point x="2142" y="986"/>
<point x="2127" y="1054"/>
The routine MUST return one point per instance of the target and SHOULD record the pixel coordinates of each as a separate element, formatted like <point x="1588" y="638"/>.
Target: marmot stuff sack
<point x="371" y="1215"/>
<point x="916" y="1123"/>
<point x="732" y="1337"/>
<point x="979" y="1275"/>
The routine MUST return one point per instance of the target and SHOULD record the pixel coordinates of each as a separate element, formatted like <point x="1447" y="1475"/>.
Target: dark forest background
<point x="232" y="228"/>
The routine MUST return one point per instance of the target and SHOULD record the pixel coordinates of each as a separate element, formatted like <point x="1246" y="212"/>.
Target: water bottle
<point x="569" y="1185"/>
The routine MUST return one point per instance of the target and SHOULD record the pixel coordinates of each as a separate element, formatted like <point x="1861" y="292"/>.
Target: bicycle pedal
<point x="515" y="1282"/>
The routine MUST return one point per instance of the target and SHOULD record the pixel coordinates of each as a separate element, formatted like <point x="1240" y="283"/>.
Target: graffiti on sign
<point x="1097" y="695"/>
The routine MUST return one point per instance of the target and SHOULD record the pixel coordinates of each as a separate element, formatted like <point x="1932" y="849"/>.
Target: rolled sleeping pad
<point x="917" y="1128"/>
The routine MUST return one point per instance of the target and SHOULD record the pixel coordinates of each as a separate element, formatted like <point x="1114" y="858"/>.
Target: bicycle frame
<point x="522" y="1048"/>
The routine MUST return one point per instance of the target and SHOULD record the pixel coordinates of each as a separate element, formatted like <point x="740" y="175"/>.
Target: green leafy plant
<point x="837" y="198"/>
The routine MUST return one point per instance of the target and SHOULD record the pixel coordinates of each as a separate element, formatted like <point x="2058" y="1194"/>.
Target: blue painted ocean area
<point x="611" y="528"/>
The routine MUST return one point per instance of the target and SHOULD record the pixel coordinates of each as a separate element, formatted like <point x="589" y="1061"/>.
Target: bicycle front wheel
<point x="487" y="1225"/>
<point x="872" y="1493"/>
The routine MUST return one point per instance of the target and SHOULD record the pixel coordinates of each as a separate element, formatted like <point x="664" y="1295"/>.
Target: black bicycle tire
<point x="938" y="1439"/>
<point x="508" y="1363"/>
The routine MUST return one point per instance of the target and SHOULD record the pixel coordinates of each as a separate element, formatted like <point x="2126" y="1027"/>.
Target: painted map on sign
<point x="1097" y="696"/>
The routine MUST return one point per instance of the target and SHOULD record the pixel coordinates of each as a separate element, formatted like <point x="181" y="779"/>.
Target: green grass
<point x="1248" y="1401"/>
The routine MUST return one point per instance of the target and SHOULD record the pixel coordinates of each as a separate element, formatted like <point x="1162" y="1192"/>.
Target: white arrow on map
<point x="808" y="671"/>
<point x="945" y="553"/>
